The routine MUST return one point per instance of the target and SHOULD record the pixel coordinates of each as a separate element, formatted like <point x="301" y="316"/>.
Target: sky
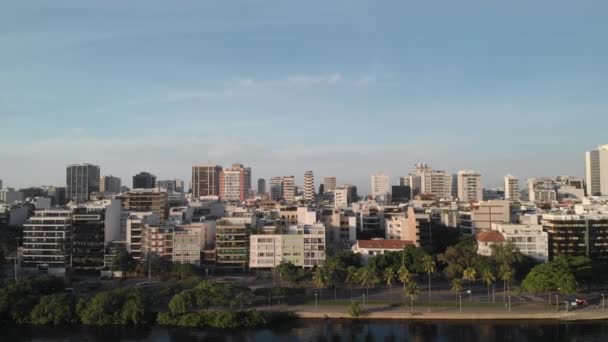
<point x="343" y="88"/>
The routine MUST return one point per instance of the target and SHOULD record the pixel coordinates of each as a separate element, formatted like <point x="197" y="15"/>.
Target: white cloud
<point x="300" y="80"/>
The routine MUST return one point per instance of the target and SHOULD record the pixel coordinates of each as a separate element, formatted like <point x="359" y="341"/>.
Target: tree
<point x="428" y="265"/>
<point x="123" y="261"/>
<point x="56" y="309"/>
<point x="487" y="276"/>
<point x="368" y="278"/>
<point x="118" y="307"/>
<point x="506" y="254"/>
<point x="505" y="273"/>
<point x="320" y="278"/>
<point x="184" y="270"/>
<point x="459" y="257"/>
<point x="554" y="276"/>
<point x="183" y="302"/>
<point x="457" y="286"/>
<point x="288" y="272"/>
<point x="404" y="277"/>
<point x="389" y="276"/>
<point x="243" y="298"/>
<point x="412" y="291"/>
<point x="470" y="275"/>
<point x="352" y="275"/>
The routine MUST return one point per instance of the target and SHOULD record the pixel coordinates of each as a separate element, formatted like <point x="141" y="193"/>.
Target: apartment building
<point x="144" y="200"/>
<point x="303" y="246"/>
<point x="47" y="242"/>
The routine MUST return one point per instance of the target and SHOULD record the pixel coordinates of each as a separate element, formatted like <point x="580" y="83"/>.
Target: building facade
<point x="144" y="180"/>
<point x="47" y="242"/>
<point x="82" y="180"/>
<point x="577" y="235"/>
<point x="145" y="200"/>
<point x="109" y="184"/>
<point x="309" y="186"/>
<point x="380" y="185"/>
<point x="511" y="188"/>
<point x="469" y="186"/>
<point x="206" y="181"/>
<point x="596" y="171"/>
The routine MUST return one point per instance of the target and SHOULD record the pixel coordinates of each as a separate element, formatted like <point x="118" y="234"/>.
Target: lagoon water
<point x="317" y="330"/>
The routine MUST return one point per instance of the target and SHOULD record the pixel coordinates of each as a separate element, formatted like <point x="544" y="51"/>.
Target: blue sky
<point x="343" y="88"/>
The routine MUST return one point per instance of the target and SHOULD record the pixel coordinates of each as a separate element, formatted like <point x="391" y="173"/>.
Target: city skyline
<point x="328" y="87"/>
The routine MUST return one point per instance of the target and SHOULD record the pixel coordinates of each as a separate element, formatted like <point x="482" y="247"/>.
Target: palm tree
<point x="404" y="276"/>
<point x="487" y="276"/>
<point x="412" y="291"/>
<point x="506" y="275"/>
<point x="457" y="287"/>
<point x="368" y="278"/>
<point x="428" y="265"/>
<point x="470" y="275"/>
<point x="320" y="279"/>
<point x="352" y="278"/>
<point x="389" y="276"/>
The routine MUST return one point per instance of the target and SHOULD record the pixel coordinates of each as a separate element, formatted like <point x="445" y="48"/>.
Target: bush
<point x="57" y="309"/>
<point x="118" y="307"/>
<point x="221" y="319"/>
<point x="354" y="309"/>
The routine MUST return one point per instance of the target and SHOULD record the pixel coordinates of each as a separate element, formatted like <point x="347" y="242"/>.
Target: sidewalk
<point x="451" y="313"/>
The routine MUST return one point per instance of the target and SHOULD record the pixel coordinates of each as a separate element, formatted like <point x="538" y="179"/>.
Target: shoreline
<point x="457" y="316"/>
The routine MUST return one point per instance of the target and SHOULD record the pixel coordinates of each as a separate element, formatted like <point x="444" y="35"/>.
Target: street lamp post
<point x="364" y="300"/>
<point x="316" y="303"/>
<point x="556" y="302"/>
<point x="470" y="295"/>
<point x="493" y="294"/>
<point x="509" y="303"/>
<point x="460" y="302"/>
<point x="603" y="302"/>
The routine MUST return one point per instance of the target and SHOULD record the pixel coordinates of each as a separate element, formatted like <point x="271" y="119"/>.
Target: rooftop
<point x="384" y="244"/>
<point x="492" y="236"/>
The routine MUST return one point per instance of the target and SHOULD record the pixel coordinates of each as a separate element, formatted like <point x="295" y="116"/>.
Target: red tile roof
<point x="384" y="244"/>
<point x="492" y="236"/>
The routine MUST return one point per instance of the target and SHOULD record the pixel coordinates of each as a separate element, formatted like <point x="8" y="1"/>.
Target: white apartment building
<point x="47" y="242"/>
<point x="381" y="185"/>
<point x="511" y="188"/>
<point x="469" y="186"/>
<point x="596" y="171"/>
<point x="136" y="224"/>
<point x="303" y="246"/>
<point x="436" y="182"/>
<point x="530" y="239"/>
<point x="341" y="198"/>
<point x="289" y="189"/>
<point x="329" y="183"/>
<point x="235" y="183"/>
<point x="309" y="186"/>
<point x="395" y="226"/>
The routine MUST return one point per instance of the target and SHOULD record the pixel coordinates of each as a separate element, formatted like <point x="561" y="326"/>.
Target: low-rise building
<point x="304" y="246"/>
<point x="530" y="239"/>
<point x="370" y="248"/>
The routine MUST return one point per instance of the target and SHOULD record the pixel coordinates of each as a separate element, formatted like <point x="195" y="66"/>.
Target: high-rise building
<point x="206" y="181"/>
<point x="577" y="235"/>
<point x="276" y="188"/>
<point x="329" y="183"/>
<point x="511" y="188"/>
<point x="435" y="182"/>
<point x="82" y="180"/>
<point x="171" y="185"/>
<point x="152" y="200"/>
<point x="309" y="186"/>
<point x="381" y="185"/>
<point x="542" y="190"/>
<point x="233" y="183"/>
<point x="261" y="186"/>
<point x="596" y="171"/>
<point x="289" y="189"/>
<point x="0" y="184"/>
<point x="94" y="224"/>
<point x="144" y="180"/>
<point x="109" y="184"/>
<point x="47" y="240"/>
<point x="400" y="193"/>
<point x="469" y="186"/>
<point x="232" y="242"/>
<point x="341" y="198"/>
